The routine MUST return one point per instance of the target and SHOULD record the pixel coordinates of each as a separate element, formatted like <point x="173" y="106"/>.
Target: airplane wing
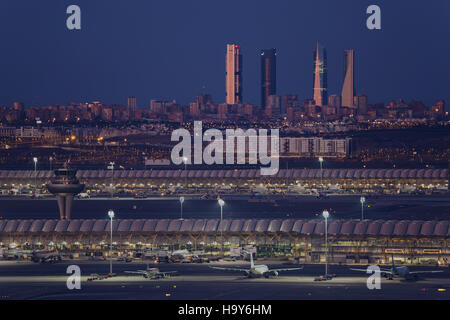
<point x="136" y="272"/>
<point x="431" y="271"/>
<point x="286" y="269"/>
<point x="230" y="269"/>
<point x="165" y="273"/>
<point x="48" y="256"/>
<point x="365" y="270"/>
<point x="361" y="270"/>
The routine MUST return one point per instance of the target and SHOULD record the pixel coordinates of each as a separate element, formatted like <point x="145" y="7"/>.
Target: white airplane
<point x="408" y="189"/>
<point x="400" y="272"/>
<point x="173" y="189"/>
<point x="224" y="188"/>
<point x="297" y="189"/>
<point x="153" y="273"/>
<point x="185" y="253"/>
<point x="334" y="189"/>
<point x="261" y="189"/>
<point x="257" y="271"/>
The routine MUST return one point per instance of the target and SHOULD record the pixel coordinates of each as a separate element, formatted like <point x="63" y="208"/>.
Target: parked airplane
<point x="297" y="189"/>
<point x="45" y="256"/>
<point x="408" y="189"/>
<point x="334" y="189"/>
<point x="256" y="271"/>
<point x="260" y="189"/>
<point x="401" y="272"/>
<point x="152" y="273"/>
<point x="84" y="195"/>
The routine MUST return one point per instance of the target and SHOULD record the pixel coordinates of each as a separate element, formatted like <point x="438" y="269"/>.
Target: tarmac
<point x="26" y="280"/>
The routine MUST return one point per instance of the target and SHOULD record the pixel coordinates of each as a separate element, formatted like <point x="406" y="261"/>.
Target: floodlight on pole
<point x="321" y="172"/>
<point x="111" y="216"/>
<point x="35" y="160"/>
<point x="111" y="166"/>
<point x="221" y="204"/>
<point x="185" y="160"/>
<point x="326" y="215"/>
<point x="362" y="200"/>
<point x="181" y="207"/>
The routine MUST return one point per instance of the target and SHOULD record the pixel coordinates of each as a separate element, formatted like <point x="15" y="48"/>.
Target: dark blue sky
<point x="170" y="49"/>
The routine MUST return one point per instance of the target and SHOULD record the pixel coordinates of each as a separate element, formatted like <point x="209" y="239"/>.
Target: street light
<point x="185" y="174"/>
<point x="362" y="200"/>
<point x="111" y="166"/>
<point x="221" y="204"/>
<point x="321" y="172"/>
<point x="50" y="159"/>
<point x="326" y="214"/>
<point x="181" y="207"/>
<point x="111" y="216"/>
<point x="35" y="160"/>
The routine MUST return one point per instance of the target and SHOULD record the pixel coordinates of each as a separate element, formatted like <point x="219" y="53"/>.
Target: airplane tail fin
<point x="245" y="251"/>
<point x="393" y="263"/>
<point x="252" y="265"/>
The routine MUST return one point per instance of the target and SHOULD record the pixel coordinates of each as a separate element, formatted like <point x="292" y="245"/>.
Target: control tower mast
<point x="65" y="186"/>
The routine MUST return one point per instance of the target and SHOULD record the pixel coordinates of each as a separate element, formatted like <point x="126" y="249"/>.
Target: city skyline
<point x="52" y="65"/>
<point x="347" y="97"/>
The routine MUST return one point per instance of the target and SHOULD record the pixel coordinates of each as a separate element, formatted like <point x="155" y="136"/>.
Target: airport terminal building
<point x="350" y="241"/>
<point x="352" y="180"/>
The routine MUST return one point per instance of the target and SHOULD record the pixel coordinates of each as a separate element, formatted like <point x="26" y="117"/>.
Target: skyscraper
<point x="268" y="75"/>
<point x="348" y="87"/>
<point x="233" y="81"/>
<point x="320" y="91"/>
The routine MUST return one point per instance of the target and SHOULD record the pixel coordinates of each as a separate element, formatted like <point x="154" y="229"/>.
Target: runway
<point x="301" y="207"/>
<point x="20" y="280"/>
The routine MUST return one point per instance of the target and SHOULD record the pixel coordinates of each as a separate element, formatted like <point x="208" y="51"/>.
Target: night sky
<point x="175" y="49"/>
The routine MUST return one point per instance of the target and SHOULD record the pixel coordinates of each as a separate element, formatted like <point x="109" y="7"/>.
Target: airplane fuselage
<point x="401" y="272"/>
<point x="261" y="271"/>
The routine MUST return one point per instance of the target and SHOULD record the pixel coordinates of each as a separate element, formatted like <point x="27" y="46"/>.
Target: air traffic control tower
<point x="65" y="186"/>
